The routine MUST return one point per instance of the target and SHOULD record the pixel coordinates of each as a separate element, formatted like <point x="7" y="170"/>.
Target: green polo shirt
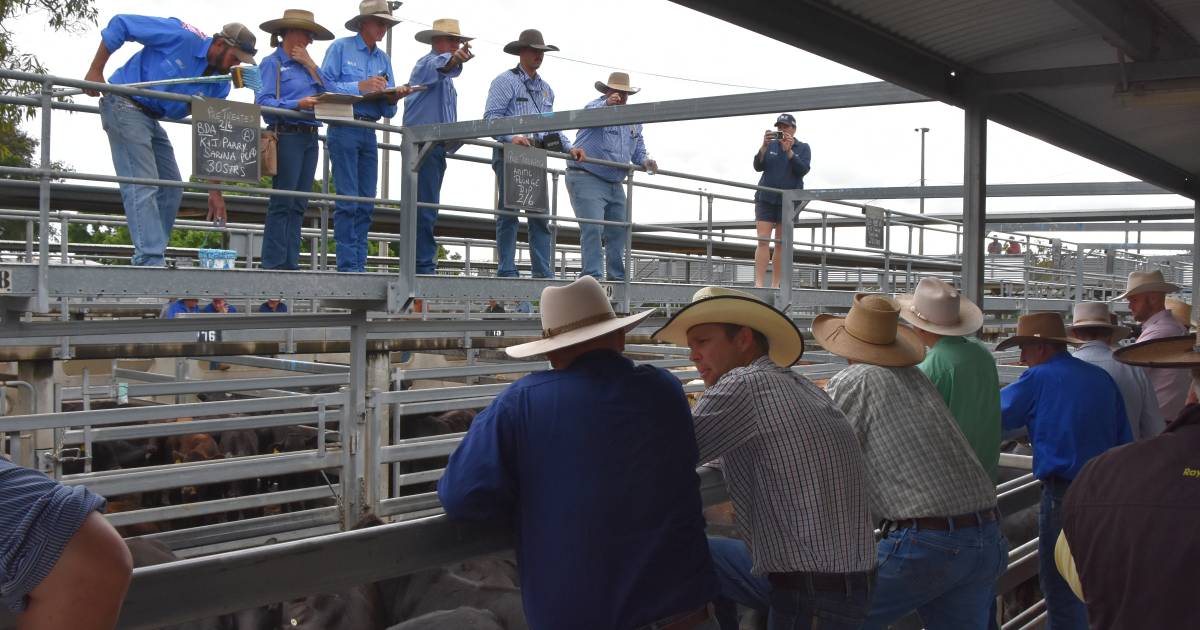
<point x="964" y="371"/>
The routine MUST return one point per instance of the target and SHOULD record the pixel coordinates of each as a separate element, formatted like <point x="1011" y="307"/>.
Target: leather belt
<point x="142" y="108"/>
<point x="682" y="621"/>
<point x="944" y="523"/>
<point x="800" y="580"/>
<point x="364" y="118"/>
<point x="286" y="128"/>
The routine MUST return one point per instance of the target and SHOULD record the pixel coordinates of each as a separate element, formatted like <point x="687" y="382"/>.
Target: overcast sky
<point x="653" y="40"/>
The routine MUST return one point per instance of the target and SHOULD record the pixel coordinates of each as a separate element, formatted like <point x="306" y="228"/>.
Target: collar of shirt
<point x="598" y="356"/>
<point x="361" y="43"/>
<point x="1094" y="348"/>
<point x="201" y="47"/>
<point x="1162" y="321"/>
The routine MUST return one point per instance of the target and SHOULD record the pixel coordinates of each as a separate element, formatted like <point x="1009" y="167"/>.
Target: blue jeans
<point x="355" y="171"/>
<point x="429" y="190"/>
<point x="1064" y="610"/>
<point x="788" y="609"/>
<point x="540" y="256"/>
<point x="947" y="577"/>
<point x="140" y="148"/>
<point x="596" y="198"/>
<point x="285" y="215"/>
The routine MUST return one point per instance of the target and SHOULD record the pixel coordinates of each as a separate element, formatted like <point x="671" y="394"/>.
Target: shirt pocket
<point x="612" y="140"/>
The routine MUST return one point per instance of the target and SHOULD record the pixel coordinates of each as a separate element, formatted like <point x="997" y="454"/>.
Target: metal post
<point x="554" y="222"/>
<point x="708" y="241"/>
<point x="628" y="239"/>
<point x="974" y="200"/>
<point x="1079" y="253"/>
<point x="352" y="426"/>
<point x="885" y="281"/>
<point x="824" y="251"/>
<point x="785" y="248"/>
<point x="921" y="236"/>
<point x="407" y="251"/>
<point x="385" y="160"/>
<point x="467" y="259"/>
<point x="64" y="225"/>
<point x="43" y="281"/>
<point x="314" y="249"/>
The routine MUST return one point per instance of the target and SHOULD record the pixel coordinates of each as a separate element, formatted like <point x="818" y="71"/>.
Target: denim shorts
<point x="772" y="213"/>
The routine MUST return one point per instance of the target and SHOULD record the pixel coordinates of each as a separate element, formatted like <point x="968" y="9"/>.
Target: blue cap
<point x="786" y="119"/>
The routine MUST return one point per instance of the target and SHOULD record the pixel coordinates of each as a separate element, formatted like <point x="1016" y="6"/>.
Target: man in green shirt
<point x="963" y="370"/>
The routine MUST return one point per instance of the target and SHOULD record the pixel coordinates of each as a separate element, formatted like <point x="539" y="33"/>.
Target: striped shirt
<point x="793" y="469"/>
<point x="918" y="462"/>
<point x="513" y="93"/>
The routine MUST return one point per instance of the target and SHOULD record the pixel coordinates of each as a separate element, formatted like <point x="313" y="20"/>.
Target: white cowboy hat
<point x="718" y="305"/>
<point x="1168" y="352"/>
<point x="1096" y="315"/>
<point x="442" y="27"/>
<point x="618" y="81"/>
<point x="939" y="308"/>
<point x="300" y="19"/>
<point x="372" y="8"/>
<point x="1039" y="327"/>
<point x="870" y="333"/>
<point x="574" y="314"/>
<point x="1146" y="282"/>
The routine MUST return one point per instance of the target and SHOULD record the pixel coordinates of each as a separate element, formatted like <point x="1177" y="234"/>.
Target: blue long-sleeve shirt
<point x="177" y="307"/>
<point x="620" y="143"/>
<point x="1073" y="410"/>
<point x="171" y="49"/>
<point x="348" y="61"/>
<point x="594" y="465"/>
<point x="513" y="93"/>
<point x="780" y="172"/>
<point x="294" y="83"/>
<point x="438" y="104"/>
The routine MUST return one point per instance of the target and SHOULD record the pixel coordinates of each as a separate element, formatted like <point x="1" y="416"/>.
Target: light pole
<point x="385" y="161"/>
<point x="921" y="238"/>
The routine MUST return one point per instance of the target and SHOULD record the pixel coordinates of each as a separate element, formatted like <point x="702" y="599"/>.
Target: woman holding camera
<point x="783" y="162"/>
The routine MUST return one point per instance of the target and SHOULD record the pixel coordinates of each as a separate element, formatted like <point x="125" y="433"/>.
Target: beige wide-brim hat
<point x="719" y="305"/>
<point x="1039" y="327"/>
<point x="300" y="19"/>
<point x="1146" y="282"/>
<point x="870" y="333"/>
<point x="1181" y="311"/>
<point x="1169" y="352"/>
<point x="442" y="27"/>
<point x="372" y="8"/>
<point x="530" y="38"/>
<point x="618" y="81"/>
<point x="572" y="315"/>
<point x="1096" y="315"/>
<point x="939" y="308"/>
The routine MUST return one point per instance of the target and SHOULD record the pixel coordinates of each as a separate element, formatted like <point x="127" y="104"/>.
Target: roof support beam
<point x="1134" y="27"/>
<point x="1105" y="74"/>
<point x="974" y="200"/>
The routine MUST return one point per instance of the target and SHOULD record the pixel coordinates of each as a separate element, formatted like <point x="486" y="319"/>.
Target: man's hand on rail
<point x="578" y="155"/>
<point x="96" y="76"/>
<point x="216" y="207"/>
<point x="521" y="140"/>
<point x="308" y="102"/>
<point x="650" y="165"/>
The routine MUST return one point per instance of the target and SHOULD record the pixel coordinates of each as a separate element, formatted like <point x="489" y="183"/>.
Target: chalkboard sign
<point x="876" y="222"/>
<point x="225" y="140"/>
<point x="525" y="179"/>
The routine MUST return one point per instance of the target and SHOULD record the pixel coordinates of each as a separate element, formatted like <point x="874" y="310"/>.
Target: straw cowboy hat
<point x="442" y="27"/>
<point x="1181" y="311"/>
<point x="297" y="18"/>
<point x="939" y="308"/>
<point x="372" y="8"/>
<point x="530" y="38"/>
<point x="718" y="305"/>
<point x="1096" y="315"/>
<point x="870" y="333"/>
<point x="618" y="81"/>
<point x="1169" y="352"/>
<point x="1146" y="282"/>
<point x="574" y="314"/>
<point x="1039" y="327"/>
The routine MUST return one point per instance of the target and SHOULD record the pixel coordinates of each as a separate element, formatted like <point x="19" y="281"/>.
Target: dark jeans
<point x="1064" y="610"/>
<point x="352" y="150"/>
<point x="297" y="155"/>
<point x="788" y="609"/>
<point x="429" y="190"/>
<point x="540" y="253"/>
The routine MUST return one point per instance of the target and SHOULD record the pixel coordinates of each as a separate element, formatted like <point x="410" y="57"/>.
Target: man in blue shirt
<point x="783" y="162"/>
<point x="438" y="103"/>
<point x="140" y="147"/>
<point x="593" y="465"/>
<point x="183" y="305"/>
<point x="521" y="91"/>
<point x="356" y="65"/>
<point x="596" y="191"/>
<point x="273" y="305"/>
<point x="1073" y="411"/>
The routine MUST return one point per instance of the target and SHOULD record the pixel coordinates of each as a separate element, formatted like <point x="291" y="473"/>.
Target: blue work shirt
<point x="280" y="307"/>
<point x="621" y="143"/>
<point x="438" y="104"/>
<point x="348" y="61"/>
<point x="177" y="307"/>
<point x="594" y="466"/>
<point x="171" y="49"/>
<point x="210" y="308"/>
<point x="513" y="93"/>
<point x="1073" y="410"/>
<point x="780" y="172"/>
<point x="294" y="83"/>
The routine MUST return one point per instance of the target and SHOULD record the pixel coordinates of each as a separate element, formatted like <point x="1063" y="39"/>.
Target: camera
<point x="552" y="142"/>
<point x="777" y="135"/>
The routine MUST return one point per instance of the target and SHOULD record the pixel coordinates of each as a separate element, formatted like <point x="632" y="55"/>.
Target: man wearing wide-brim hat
<point x="942" y="548"/>
<point x="596" y="190"/>
<point x="435" y="104"/>
<point x="1092" y="324"/>
<point x="1147" y="294"/>
<point x="593" y="464"/>
<point x="1073" y="412"/>
<point x="1181" y="311"/>
<point x="792" y="467"/>
<point x="1129" y="522"/>
<point x="961" y="368"/>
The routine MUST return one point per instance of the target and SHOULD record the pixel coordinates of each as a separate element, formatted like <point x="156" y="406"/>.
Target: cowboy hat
<point x="870" y="333"/>
<point x="619" y="82"/>
<point x="574" y="314"/>
<point x="1096" y="315"/>
<point x="1039" y="327"/>
<point x="241" y="41"/>
<point x="530" y="38"/>
<point x="1146" y="282"/>
<point x="718" y="305"/>
<point x="372" y="8"/>
<point x="297" y="18"/>
<point x="939" y="308"/>
<point x="1181" y="311"/>
<point x="442" y="27"/>
<point x="1168" y="352"/>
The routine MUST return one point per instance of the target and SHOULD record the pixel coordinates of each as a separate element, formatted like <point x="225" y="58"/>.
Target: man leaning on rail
<point x="593" y="464"/>
<point x="171" y="49"/>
